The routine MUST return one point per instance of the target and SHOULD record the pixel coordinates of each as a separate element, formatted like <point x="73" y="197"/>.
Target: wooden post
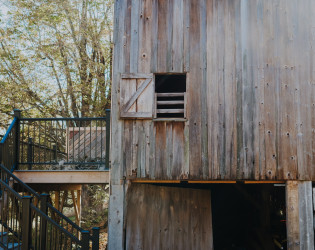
<point x="79" y="205"/>
<point x="300" y="232"/>
<point x="117" y="192"/>
<point x="116" y="217"/>
<point x="57" y="200"/>
<point x="306" y="215"/>
<point x="64" y="198"/>
<point x="75" y="207"/>
<point x="107" y="139"/>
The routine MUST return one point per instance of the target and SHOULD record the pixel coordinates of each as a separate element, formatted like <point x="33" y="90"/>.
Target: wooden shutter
<point x="136" y="96"/>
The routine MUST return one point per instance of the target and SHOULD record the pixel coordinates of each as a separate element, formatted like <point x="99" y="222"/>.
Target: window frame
<point x="179" y="119"/>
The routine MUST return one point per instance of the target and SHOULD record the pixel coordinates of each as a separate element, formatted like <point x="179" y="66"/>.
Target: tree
<point x="55" y="60"/>
<point x="55" y="57"/>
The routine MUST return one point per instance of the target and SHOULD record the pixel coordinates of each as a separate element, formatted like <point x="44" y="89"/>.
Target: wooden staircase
<point x="7" y="245"/>
<point x="27" y="219"/>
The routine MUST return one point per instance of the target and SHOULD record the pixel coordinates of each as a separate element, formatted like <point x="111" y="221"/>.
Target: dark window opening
<point x="170" y="95"/>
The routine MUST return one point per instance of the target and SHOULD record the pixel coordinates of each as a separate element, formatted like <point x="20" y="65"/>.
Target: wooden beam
<point x="64" y="196"/>
<point x="143" y="115"/>
<point x="117" y="196"/>
<point x="55" y="187"/>
<point x="69" y="177"/>
<point x="169" y="119"/>
<point x="79" y="205"/>
<point x="214" y="182"/>
<point x="154" y="181"/>
<point x="57" y="200"/>
<point x="204" y="182"/>
<point x="134" y="97"/>
<point x="170" y="94"/>
<point x="116" y="217"/>
<point x="136" y="75"/>
<point x="264" y="182"/>
<point x="300" y="234"/>
<point x="170" y="102"/>
<point x="75" y="206"/>
<point x="180" y="181"/>
<point x="306" y="215"/>
<point x="169" y="111"/>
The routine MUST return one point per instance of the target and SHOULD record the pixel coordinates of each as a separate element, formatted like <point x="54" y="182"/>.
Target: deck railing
<point x="29" y="221"/>
<point x="9" y="143"/>
<point x="59" y="143"/>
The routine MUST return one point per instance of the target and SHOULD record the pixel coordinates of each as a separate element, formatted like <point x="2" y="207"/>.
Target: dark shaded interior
<point x="248" y="217"/>
<point x="175" y="83"/>
<point x="170" y="83"/>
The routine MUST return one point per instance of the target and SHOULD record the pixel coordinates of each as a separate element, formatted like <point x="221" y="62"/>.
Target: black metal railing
<point x="29" y="221"/>
<point x="57" y="143"/>
<point x="9" y="143"/>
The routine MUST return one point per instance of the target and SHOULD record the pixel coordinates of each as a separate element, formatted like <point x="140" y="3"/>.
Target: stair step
<point x="3" y="237"/>
<point x="4" y="241"/>
<point x="11" y="246"/>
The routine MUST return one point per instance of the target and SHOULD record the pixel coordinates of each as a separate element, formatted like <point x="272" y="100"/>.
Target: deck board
<point x="61" y="177"/>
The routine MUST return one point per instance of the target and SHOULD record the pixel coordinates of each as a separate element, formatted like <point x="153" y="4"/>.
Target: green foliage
<point x="96" y="213"/>
<point x="55" y="57"/>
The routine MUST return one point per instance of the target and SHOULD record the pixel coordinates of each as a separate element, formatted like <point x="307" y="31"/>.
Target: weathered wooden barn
<point x="207" y="97"/>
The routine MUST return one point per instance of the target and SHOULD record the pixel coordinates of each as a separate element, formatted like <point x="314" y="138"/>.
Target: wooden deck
<point x="63" y="177"/>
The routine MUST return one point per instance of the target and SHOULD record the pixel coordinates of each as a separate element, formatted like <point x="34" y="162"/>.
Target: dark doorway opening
<point x="247" y="217"/>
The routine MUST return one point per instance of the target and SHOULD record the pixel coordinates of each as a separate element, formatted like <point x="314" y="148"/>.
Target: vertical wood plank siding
<point x="250" y="89"/>
<point x="160" y="217"/>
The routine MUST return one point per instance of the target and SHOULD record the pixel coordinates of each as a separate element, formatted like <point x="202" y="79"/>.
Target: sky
<point x="3" y="8"/>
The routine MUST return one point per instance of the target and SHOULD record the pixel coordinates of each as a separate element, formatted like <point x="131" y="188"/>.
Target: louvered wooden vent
<point x="170" y="92"/>
<point x="170" y="105"/>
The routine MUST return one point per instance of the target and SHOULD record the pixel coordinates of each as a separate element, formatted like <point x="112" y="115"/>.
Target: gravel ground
<point x="103" y="240"/>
